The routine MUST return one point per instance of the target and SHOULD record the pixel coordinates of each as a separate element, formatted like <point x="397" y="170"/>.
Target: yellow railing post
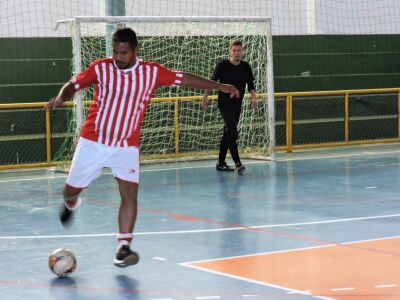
<point x="346" y="118"/>
<point x="48" y="136"/>
<point x="398" y="114"/>
<point x="289" y="147"/>
<point x="289" y="122"/>
<point x="176" y="125"/>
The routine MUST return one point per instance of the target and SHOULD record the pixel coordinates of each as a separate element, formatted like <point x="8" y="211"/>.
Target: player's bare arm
<point x="253" y="99"/>
<point x="195" y="81"/>
<point x="204" y="100"/>
<point x="65" y="93"/>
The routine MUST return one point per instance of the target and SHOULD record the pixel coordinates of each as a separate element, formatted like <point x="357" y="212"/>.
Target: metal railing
<point x="291" y="98"/>
<point x="288" y="123"/>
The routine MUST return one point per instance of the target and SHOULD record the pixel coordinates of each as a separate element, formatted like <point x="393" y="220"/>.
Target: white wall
<point x="25" y="18"/>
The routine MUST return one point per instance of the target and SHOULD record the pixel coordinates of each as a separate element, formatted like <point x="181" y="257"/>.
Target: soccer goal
<point x="175" y="126"/>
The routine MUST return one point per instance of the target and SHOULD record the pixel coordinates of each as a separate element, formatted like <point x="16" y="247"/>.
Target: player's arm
<point x="204" y="100"/>
<point x="65" y="93"/>
<point x="82" y="80"/>
<point x="215" y="77"/>
<point x="195" y="81"/>
<point x="252" y="89"/>
<point x="253" y="99"/>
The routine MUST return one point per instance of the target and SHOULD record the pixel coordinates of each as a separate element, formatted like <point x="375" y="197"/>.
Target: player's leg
<point x="223" y="147"/>
<point x="126" y="220"/>
<point x="231" y="131"/>
<point x="128" y="208"/>
<point x="125" y="167"/>
<point x="86" y="166"/>
<point x="240" y="168"/>
<point x="223" y="150"/>
<point x="71" y="203"/>
<point x="224" y="144"/>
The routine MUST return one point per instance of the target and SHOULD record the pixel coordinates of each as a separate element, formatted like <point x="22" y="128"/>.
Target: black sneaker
<point x="240" y="169"/>
<point x="126" y="257"/>
<point x="224" y="167"/>
<point x="67" y="213"/>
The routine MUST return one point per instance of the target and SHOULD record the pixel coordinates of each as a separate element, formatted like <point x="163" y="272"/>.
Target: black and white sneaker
<point x="223" y="167"/>
<point x="67" y="213"/>
<point x="240" y="169"/>
<point x="126" y="257"/>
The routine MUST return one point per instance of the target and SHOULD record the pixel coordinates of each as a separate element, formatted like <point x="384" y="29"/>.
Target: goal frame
<point x="76" y="21"/>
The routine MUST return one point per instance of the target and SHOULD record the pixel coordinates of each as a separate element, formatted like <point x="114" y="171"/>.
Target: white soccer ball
<point x="62" y="262"/>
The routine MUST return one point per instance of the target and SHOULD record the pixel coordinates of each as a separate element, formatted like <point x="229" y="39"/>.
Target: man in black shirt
<point x="237" y="72"/>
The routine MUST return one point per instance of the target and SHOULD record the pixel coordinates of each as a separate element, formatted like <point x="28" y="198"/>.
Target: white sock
<point x="124" y="239"/>
<point x="77" y="203"/>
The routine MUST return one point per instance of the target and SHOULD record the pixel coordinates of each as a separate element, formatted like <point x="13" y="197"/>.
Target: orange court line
<point x="352" y="271"/>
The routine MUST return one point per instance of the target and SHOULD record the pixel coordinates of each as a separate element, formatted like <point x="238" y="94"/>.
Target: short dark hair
<point x="235" y="43"/>
<point x="125" y="35"/>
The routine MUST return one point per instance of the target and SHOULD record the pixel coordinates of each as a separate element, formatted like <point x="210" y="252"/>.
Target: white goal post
<point x="191" y="44"/>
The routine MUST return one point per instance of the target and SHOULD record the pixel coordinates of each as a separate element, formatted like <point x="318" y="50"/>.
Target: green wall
<point x="33" y="69"/>
<point x="330" y="62"/>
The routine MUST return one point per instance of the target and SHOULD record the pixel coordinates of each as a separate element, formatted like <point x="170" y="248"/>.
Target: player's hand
<point x="231" y="90"/>
<point x="53" y="103"/>
<point x="253" y="103"/>
<point x="204" y="103"/>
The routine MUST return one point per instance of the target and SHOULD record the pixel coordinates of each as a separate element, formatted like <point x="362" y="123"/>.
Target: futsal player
<point x="124" y="85"/>
<point x="237" y="72"/>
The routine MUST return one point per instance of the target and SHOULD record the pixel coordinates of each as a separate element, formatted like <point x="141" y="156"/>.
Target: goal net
<point x="175" y="126"/>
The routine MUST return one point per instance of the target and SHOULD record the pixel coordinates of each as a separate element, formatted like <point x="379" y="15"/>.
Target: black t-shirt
<point x="237" y="75"/>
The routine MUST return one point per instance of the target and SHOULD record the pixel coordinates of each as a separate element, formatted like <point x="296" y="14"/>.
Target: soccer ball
<point x="62" y="262"/>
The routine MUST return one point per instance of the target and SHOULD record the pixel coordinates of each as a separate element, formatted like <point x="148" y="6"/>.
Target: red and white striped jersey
<point x="121" y="98"/>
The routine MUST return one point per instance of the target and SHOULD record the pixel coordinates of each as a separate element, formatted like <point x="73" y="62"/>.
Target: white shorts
<point x="91" y="157"/>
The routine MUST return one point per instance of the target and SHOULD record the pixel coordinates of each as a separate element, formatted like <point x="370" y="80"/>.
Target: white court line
<point x="188" y="264"/>
<point x="301" y="292"/>
<point x="141" y="171"/>
<point x="159" y="258"/>
<point x="317" y="157"/>
<point x="289" y="290"/>
<point x="33" y="179"/>
<point x="253" y="281"/>
<point x="385" y="286"/>
<point x="342" y="289"/>
<point x="202" y="230"/>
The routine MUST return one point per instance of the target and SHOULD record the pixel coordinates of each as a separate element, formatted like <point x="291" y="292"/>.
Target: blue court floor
<point x="188" y="213"/>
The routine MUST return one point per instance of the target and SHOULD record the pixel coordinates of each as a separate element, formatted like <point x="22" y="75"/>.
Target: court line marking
<point x="319" y="157"/>
<point x="342" y="289"/>
<point x="33" y="179"/>
<point x="301" y="292"/>
<point x="159" y="258"/>
<point x="337" y="155"/>
<point x="141" y="171"/>
<point x="292" y="291"/>
<point x="385" y="285"/>
<point x="292" y="250"/>
<point x="289" y="290"/>
<point x="203" y="230"/>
